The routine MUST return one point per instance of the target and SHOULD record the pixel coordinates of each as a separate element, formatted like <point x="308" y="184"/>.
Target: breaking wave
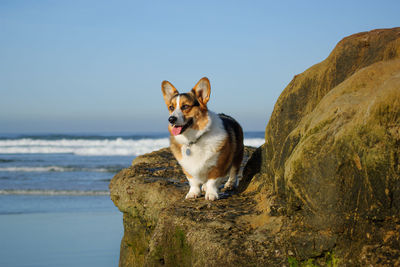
<point x="85" y="147"/>
<point x="256" y="142"/>
<point x="53" y="192"/>
<point x="57" y="169"/>
<point x="91" y="147"/>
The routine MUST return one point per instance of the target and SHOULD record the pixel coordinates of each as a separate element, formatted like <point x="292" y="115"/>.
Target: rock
<point x="324" y="189"/>
<point x="160" y="227"/>
<point x="331" y="157"/>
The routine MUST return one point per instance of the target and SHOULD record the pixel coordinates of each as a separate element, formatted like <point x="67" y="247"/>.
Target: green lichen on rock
<point x="135" y="242"/>
<point x="348" y="147"/>
<point x="328" y="260"/>
<point x="173" y="250"/>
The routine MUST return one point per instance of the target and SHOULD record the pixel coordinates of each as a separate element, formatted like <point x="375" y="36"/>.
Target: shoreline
<point x="59" y="230"/>
<point x="83" y="238"/>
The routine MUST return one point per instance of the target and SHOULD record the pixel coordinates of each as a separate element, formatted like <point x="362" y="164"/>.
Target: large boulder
<point x="324" y="189"/>
<point x="331" y="157"/>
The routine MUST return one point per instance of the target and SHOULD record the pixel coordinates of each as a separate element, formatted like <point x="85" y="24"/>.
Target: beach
<point x="59" y="230"/>
<point x="61" y="239"/>
<point x="55" y="208"/>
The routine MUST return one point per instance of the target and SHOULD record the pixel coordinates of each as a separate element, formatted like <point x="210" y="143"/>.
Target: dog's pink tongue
<point x="176" y="130"/>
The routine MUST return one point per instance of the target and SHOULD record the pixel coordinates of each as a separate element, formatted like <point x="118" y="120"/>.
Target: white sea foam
<point x="256" y="142"/>
<point x="50" y="169"/>
<point x="104" y="147"/>
<point x="89" y="147"/>
<point x="33" y="169"/>
<point x="53" y="192"/>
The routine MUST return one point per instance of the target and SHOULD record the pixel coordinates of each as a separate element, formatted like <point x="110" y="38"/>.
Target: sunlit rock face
<point x="323" y="189"/>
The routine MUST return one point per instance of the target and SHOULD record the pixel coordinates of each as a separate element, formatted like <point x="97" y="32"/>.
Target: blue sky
<point x="97" y="66"/>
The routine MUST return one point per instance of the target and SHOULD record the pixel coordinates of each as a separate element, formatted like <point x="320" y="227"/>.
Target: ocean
<point x="55" y="208"/>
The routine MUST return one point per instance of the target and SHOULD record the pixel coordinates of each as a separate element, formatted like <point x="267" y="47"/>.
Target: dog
<point x="208" y="146"/>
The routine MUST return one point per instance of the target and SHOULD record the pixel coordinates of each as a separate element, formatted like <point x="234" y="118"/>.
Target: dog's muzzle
<point x="172" y="119"/>
<point x="179" y="129"/>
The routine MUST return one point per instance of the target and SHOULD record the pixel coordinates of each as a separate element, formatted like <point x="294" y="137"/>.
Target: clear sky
<point x="90" y="66"/>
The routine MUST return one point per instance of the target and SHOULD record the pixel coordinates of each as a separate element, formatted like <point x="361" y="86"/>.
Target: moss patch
<point x="134" y="244"/>
<point x="328" y="260"/>
<point x="173" y="250"/>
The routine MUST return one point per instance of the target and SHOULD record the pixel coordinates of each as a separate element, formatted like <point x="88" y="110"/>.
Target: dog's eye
<point x="171" y="108"/>
<point x="185" y="107"/>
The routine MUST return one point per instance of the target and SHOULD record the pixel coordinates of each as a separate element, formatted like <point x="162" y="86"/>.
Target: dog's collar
<point x="188" y="151"/>
<point x="197" y="139"/>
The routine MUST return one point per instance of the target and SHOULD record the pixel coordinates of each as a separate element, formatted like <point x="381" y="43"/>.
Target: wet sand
<point x="61" y="239"/>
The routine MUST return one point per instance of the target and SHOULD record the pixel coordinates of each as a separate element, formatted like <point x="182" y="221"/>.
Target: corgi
<point x="208" y="146"/>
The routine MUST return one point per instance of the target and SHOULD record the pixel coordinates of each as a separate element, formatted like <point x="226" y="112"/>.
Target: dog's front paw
<point x="212" y="196"/>
<point x="192" y="194"/>
<point x="204" y="188"/>
<point x="229" y="186"/>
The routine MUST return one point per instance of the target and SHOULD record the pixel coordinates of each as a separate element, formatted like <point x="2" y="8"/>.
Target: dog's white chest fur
<point x="198" y="157"/>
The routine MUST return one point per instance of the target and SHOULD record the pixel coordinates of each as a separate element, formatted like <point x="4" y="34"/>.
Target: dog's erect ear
<point x="202" y="90"/>
<point x="168" y="91"/>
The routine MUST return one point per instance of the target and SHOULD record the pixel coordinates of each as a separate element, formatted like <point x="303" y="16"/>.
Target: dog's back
<point x="235" y="136"/>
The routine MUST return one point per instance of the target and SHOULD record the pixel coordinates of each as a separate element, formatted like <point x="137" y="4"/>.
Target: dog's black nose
<point x="172" y="119"/>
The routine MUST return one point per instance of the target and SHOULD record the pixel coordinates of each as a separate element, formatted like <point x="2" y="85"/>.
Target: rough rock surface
<point x="323" y="189"/>
<point x="161" y="228"/>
